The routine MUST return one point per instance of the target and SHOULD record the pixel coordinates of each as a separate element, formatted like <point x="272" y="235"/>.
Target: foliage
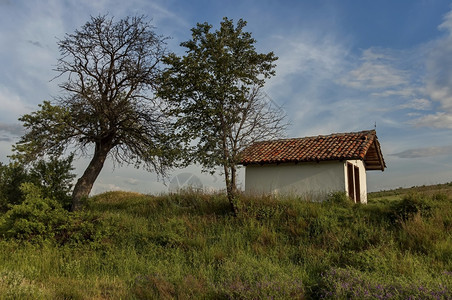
<point x="339" y="198"/>
<point x="131" y="246"/>
<point x="107" y="106"/>
<point x="216" y="95"/>
<point x="39" y="219"/>
<point x="11" y="178"/>
<point x="52" y="176"/>
<point x="411" y="205"/>
<point x="35" y="219"/>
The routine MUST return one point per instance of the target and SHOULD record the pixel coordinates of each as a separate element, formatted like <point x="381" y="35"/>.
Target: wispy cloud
<point x="437" y="120"/>
<point x="35" y="43"/>
<point x="12" y="129"/>
<point x="318" y="57"/>
<point x="100" y="187"/>
<point x="376" y="71"/>
<point x="132" y="181"/>
<point x="12" y="105"/>
<point x="10" y="132"/>
<point x="307" y="64"/>
<point x="439" y="78"/>
<point x="424" y="152"/>
<point x="417" y="104"/>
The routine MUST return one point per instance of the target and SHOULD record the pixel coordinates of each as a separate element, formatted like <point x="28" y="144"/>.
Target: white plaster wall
<point x="304" y="179"/>
<point x="362" y="178"/>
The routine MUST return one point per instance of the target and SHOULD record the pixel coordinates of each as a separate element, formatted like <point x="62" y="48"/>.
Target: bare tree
<point x="108" y="105"/>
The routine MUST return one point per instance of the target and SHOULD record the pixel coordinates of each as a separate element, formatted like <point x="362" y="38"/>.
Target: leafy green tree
<point x="107" y="107"/>
<point x="11" y="177"/>
<point x="216" y="95"/>
<point x="55" y="178"/>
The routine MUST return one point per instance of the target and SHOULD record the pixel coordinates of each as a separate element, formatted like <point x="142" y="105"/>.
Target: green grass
<point x="189" y="246"/>
<point x="397" y="194"/>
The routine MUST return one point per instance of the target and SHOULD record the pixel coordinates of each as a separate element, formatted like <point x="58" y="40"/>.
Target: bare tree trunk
<point x="85" y="183"/>
<point x="231" y="188"/>
<point x="234" y="180"/>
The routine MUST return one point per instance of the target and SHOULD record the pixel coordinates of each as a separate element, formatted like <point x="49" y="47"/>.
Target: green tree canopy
<point x="215" y="90"/>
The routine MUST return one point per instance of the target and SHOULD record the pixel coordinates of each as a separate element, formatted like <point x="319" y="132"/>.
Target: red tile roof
<point x="361" y="145"/>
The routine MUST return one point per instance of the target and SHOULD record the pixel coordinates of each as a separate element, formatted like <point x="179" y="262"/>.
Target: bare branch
<point x="111" y="70"/>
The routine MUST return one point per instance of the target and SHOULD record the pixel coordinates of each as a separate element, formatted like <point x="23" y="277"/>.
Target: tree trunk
<point x="85" y="183"/>
<point x="231" y="188"/>
<point x="234" y="180"/>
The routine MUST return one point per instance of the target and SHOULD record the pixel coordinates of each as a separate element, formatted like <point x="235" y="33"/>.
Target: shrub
<point x="339" y="198"/>
<point x="411" y="205"/>
<point x="440" y="197"/>
<point x="11" y="178"/>
<point x="53" y="177"/>
<point x="35" y="219"/>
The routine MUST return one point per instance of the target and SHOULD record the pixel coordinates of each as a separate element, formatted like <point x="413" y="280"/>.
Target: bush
<point x="11" y="178"/>
<point x="440" y="197"/>
<point x="339" y="198"/>
<point x="411" y="205"/>
<point x="53" y="177"/>
<point x="38" y="219"/>
<point x="35" y="219"/>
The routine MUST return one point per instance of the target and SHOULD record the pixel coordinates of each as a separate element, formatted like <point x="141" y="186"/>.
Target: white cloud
<point x="10" y="131"/>
<point x="100" y="187"/>
<point x="439" y="78"/>
<point x="438" y="120"/>
<point x="12" y="105"/>
<point x="315" y="57"/>
<point x="417" y="104"/>
<point x="404" y="92"/>
<point x="307" y="64"/>
<point x="447" y="22"/>
<point x="132" y="181"/>
<point x="376" y="71"/>
<point x="424" y="152"/>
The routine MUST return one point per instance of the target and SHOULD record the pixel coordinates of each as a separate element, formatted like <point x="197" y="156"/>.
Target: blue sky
<point x="343" y="66"/>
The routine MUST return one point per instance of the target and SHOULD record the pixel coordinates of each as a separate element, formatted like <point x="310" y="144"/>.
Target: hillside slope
<point x="189" y="246"/>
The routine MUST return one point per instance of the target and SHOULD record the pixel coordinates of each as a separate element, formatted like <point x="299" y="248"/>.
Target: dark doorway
<point x="350" y="179"/>
<point x="354" y="191"/>
<point x="357" y="189"/>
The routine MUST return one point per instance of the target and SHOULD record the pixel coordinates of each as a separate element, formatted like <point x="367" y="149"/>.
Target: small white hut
<point x="313" y="166"/>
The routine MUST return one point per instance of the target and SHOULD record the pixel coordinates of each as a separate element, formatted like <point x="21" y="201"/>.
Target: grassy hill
<point x="189" y="246"/>
<point x="398" y="194"/>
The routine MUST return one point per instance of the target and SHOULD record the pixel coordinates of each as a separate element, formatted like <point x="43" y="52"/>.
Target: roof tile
<point x="338" y="146"/>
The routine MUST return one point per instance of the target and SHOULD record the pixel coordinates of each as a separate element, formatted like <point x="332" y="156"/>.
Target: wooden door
<point x="357" y="188"/>
<point x="350" y="179"/>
